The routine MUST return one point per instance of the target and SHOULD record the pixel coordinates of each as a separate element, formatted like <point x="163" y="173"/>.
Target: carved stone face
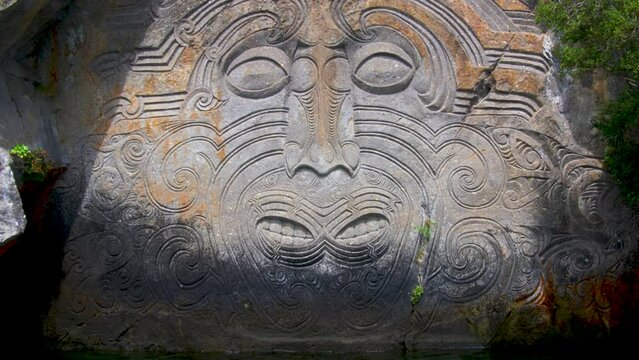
<point x="291" y="170"/>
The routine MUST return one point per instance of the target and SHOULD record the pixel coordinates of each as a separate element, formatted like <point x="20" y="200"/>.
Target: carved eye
<point x="382" y="68"/>
<point x="258" y="72"/>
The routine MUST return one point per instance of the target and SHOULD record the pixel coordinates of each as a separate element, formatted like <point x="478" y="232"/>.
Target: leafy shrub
<point x="604" y="34"/>
<point x="595" y="34"/>
<point x="34" y="165"/>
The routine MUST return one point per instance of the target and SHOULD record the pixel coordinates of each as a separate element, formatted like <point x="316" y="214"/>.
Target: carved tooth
<point x="276" y="226"/>
<point x="275" y="237"/>
<point x="287" y="230"/>
<point x="299" y="233"/>
<point x="368" y="237"/>
<point x="372" y="225"/>
<point x="287" y="240"/>
<point x="349" y="232"/>
<point x="360" y="229"/>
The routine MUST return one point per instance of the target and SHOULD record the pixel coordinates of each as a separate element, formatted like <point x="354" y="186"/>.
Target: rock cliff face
<point x="256" y="175"/>
<point x="12" y="219"/>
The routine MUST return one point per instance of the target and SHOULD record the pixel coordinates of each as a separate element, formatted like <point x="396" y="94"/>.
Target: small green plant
<point x="416" y="294"/>
<point x="21" y="150"/>
<point x="426" y="229"/>
<point x="34" y="165"/>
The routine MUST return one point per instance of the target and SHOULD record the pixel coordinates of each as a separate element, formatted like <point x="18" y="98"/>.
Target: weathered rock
<point x="284" y="174"/>
<point x="22" y="23"/>
<point x="12" y="218"/>
<point x="4" y="4"/>
<point x="28" y="77"/>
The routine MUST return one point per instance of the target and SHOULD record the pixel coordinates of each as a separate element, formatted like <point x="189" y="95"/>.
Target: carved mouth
<point x="284" y="232"/>
<point x="290" y="243"/>
<point x="363" y="230"/>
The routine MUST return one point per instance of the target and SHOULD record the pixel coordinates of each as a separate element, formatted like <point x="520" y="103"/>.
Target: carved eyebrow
<point x="270" y="53"/>
<point x="379" y="48"/>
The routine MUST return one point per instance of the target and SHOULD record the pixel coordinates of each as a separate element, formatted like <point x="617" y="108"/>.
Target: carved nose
<point x="322" y="157"/>
<point x="320" y="133"/>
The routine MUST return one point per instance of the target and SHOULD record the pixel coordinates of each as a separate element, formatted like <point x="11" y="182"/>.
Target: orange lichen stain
<point x="150" y="126"/>
<point x="518" y="81"/>
<point x="189" y="55"/>
<point x="515" y="5"/>
<point x="378" y="19"/>
<point x="599" y="305"/>
<point x="482" y="30"/>
<point x="219" y="140"/>
<point x="150" y="85"/>
<point x="433" y="24"/>
<point x="216" y="119"/>
<point x="527" y="42"/>
<point x="467" y="74"/>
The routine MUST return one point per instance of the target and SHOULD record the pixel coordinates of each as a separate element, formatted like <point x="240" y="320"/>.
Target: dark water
<point x="576" y="351"/>
<point x="443" y="355"/>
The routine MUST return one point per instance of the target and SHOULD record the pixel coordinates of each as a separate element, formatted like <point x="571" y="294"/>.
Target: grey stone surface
<point x="22" y="23"/>
<point x="12" y="219"/>
<point x="260" y="175"/>
<point x="28" y="75"/>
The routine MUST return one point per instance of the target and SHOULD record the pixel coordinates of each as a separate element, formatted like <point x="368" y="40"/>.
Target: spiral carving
<point x="179" y="167"/>
<point x="478" y="254"/>
<point x="184" y="32"/>
<point x="470" y="172"/>
<point x="132" y="153"/>
<point x="572" y="259"/>
<point x="108" y="189"/>
<point x="203" y="99"/>
<point x="177" y="266"/>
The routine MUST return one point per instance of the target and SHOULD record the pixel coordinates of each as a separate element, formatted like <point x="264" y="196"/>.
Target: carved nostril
<point x="350" y="154"/>
<point x="321" y="159"/>
<point x="292" y="156"/>
<point x="322" y="153"/>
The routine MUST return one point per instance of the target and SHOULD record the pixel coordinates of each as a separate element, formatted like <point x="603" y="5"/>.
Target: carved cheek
<point x="303" y="75"/>
<point x="336" y="74"/>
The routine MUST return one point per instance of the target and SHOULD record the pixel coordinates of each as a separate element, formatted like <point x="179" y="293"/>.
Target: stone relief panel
<point x="268" y="168"/>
